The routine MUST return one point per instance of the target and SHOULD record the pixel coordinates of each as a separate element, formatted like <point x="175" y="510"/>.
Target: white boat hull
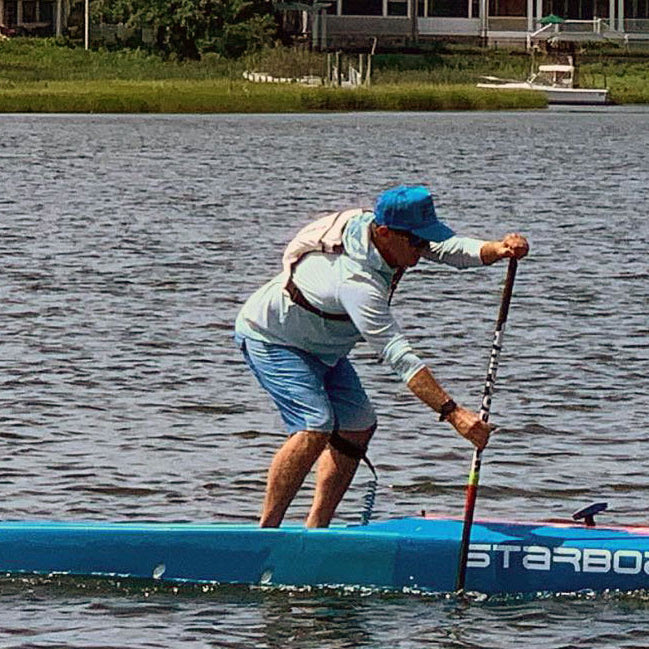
<point x="578" y="96"/>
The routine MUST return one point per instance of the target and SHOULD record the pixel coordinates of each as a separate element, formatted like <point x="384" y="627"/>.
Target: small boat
<point x="557" y="82"/>
<point x="416" y="554"/>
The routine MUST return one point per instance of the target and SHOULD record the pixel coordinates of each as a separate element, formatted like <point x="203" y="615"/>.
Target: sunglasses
<point x="414" y="240"/>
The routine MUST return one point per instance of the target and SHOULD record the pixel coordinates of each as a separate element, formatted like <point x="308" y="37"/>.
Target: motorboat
<point x="557" y="81"/>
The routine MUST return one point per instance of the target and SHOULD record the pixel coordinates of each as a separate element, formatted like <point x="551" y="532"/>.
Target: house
<point x="399" y="23"/>
<point x="337" y="23"/>
<point x="35" y="17"/>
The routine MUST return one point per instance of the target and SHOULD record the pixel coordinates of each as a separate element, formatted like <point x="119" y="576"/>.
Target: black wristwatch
<point x="447" y="408"/>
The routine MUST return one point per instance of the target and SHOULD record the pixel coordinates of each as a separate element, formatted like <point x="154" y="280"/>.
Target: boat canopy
<point x="556" y="68"/>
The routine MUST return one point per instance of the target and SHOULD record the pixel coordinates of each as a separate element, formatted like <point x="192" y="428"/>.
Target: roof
<point x="556" y="68"/>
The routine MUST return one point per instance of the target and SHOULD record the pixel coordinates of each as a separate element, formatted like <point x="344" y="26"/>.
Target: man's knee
<point x="360" y="437"/>
<point x="312" y="438"/>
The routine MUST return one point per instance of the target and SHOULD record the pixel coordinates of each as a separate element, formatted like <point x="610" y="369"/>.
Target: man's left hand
<point x="512" y="245"/>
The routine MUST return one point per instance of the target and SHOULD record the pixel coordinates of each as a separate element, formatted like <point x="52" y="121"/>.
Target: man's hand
<point x="465" y="422"/>
<point x="469" y="425"/>
<point x="512" y="245"/>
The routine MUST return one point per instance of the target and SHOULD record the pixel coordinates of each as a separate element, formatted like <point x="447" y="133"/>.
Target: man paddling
<point x="296" y="331"/>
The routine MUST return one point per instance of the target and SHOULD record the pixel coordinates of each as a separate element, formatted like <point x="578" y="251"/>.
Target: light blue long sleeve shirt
<point x="357" y="283"/>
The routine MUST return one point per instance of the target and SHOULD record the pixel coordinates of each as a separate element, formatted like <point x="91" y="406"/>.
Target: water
<point x="127" y="245"/>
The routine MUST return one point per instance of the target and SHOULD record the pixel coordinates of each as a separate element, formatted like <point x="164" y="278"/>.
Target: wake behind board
<point x="404" y="553"/>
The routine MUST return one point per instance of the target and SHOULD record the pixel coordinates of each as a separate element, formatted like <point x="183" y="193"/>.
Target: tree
<point x="238" y="26"/>
<point x="187" y="28"/>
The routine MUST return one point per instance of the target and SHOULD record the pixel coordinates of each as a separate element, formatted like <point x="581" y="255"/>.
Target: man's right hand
<point x="470" y="426"/>
<point x="465" y="422"/>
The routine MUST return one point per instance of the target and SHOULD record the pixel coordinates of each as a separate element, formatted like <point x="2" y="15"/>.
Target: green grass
<point x="626" y="74"/>
<point x="627" y="78"/>
<point x="41" y="75"/>
<point x="420" y="97"/>
<point x="35" y="59"/>
<point x="227" y="96"/>
<point x="452" y="65"/>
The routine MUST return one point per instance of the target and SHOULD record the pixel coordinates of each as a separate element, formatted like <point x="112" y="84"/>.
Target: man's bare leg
<point x="335" y="473"/>
<point x="287" y="472"/>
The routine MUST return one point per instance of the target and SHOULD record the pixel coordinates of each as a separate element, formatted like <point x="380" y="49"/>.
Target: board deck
<point x="404" y="553"/>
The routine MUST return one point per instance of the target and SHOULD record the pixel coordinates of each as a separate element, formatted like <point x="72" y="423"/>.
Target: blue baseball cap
<point x="411" y="208"/>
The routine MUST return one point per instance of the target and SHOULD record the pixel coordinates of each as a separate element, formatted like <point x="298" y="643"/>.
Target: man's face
<point x="405" y="247"/>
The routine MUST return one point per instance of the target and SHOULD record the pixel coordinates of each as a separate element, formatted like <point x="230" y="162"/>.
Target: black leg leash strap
<point x="356" y="452"/>
<point x="350" y="450"/>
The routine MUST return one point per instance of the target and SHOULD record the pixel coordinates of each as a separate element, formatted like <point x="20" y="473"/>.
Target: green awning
<point x="551" y="19"/>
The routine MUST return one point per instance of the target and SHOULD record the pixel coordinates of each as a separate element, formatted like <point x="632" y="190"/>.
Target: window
<point x="636" y="8"/>
<point x="362" y="7"/>
<point x="397" y="7"/>
<point x="11" y="13"/>
<point x="29" y="11"/>
<point x="450" y="8"/>
<point x="47" y="12"/>
<point x="509" y="8"/>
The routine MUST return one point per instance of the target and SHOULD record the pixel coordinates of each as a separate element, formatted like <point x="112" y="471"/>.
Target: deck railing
<point x="437" y="26"/>
<point x="507" y="23"/>
<point x="598" y="26"/>
<point x="636" y="25"/>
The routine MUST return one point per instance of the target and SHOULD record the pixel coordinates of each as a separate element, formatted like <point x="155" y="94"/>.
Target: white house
<point x="495" y="21"/>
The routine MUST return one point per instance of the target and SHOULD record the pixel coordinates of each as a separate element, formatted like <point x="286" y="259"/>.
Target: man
<point x="296" y="331"/>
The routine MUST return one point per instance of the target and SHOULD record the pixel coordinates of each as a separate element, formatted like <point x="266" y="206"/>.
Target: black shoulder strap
<point x="298" y="298"/>
<point x="398" y="274"/>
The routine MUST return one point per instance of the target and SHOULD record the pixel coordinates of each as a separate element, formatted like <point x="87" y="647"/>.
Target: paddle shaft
<point x="474" y="473"/>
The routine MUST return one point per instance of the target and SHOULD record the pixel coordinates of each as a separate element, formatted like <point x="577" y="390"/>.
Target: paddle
<point x="474" y="474"/>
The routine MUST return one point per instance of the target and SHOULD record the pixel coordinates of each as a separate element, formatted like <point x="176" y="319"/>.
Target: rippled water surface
<point x="127" y="245"/>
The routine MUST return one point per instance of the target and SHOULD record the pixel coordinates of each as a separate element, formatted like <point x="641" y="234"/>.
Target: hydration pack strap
<point x="396" y="278"/>
<point x="298" y="298"/>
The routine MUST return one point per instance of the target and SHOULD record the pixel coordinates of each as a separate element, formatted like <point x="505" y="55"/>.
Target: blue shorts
<point x="310" y="395"/>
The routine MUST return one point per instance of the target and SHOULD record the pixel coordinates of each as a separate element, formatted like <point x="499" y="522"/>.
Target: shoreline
<point x="225" y="96"/>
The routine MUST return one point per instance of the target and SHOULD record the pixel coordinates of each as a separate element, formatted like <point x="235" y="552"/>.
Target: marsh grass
<point x="452" y="65"/>
<point x="419" y="97"/>
<point x="162" y="96"/>
<point x="227" y="96"/>
<point x="285" y="62"/>
<point x="41" y="75"/>
<point x="37" y="59"/>
<point x="628" y="79"/>
<point x="626" y="74"/>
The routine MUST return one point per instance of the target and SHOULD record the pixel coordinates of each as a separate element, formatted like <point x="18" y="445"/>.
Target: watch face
<point x="447" y="408"/>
